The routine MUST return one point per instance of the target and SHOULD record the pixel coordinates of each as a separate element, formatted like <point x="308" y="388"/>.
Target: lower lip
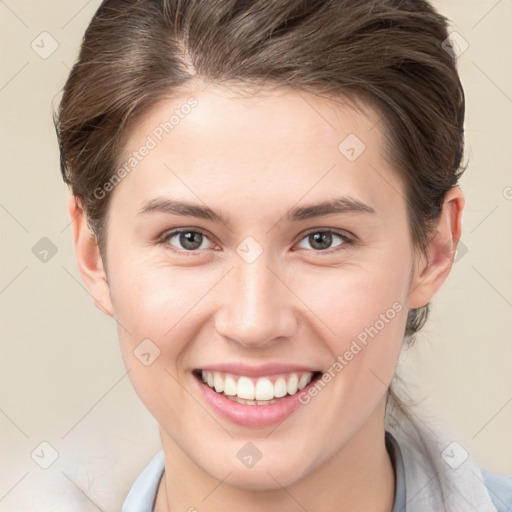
<point x="251" y="415"/>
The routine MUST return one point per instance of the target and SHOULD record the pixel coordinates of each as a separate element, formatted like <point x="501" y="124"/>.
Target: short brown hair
<point x="388" y="52"/>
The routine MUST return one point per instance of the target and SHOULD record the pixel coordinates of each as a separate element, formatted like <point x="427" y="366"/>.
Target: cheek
<point x="364" y="316"/>
<point x="147" y="294"/>
<point x="352" y="299"/>
<point x="155" y="330"/>
<point x="154" y="301"/>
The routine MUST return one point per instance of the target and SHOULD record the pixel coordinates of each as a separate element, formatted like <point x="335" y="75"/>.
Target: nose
<point x="257" y="305"/>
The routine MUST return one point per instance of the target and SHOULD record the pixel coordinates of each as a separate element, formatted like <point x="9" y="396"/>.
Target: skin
<point x="254" y="159"/>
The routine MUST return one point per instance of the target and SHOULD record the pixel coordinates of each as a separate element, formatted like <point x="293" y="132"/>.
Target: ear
<point x="430" y="275"/>
<point x="88" y="258"/>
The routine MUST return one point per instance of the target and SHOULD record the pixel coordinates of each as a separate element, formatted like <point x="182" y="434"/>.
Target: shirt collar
<point x="398" y="466"/>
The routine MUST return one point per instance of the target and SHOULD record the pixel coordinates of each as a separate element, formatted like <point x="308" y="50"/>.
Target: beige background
<point x="61" y="376"/>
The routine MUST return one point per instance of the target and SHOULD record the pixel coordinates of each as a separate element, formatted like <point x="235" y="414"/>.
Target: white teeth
<point x="292" y="384"/>
<point x="218" y="382"/>
<point x="259" y="391"/>
<point x="229" y="386"/>
<point x="252" y="402"/>
<point x="245" y="388"/>
<point x="304" y="380"/>
<point x="264" y="390"/>
<point x="280" y="387"/>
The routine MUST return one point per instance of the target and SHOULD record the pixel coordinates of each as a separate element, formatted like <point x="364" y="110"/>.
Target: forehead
<point x="267" y="145"/>
<point x="279" y="111"/>
<point x="213" y="111"/>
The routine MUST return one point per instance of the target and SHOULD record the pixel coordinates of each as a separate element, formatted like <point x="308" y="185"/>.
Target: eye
<point x="190" y="240"/>
<point x="322" y="240"/>
<point x="187" y="240"/>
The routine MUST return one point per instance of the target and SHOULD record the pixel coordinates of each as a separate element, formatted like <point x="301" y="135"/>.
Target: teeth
<point x="261" y="391"/>
<point x="218" y="382"/>
<point x="280" y="387"/>
<point x="252" y="402"/>
<point x="229" y="386"/>
<point x="264" y="390"/>
<point x="292" y="384"/>
<point x="245" y="388"/>
<point x="304" y="381"/>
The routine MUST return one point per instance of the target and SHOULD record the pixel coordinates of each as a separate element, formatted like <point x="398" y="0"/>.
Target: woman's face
<point x="295" y="258"/>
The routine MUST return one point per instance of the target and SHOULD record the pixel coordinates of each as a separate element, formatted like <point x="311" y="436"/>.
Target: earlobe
<point x="431" y="274"/>
<point x="88" y="257"/>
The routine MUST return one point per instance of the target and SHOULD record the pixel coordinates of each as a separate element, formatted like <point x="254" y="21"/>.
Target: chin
<point x="268" y="473"/>
<point x="262" y="479"/>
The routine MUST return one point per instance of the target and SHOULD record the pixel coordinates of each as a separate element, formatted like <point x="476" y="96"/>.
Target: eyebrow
<point x="340" y="205"/>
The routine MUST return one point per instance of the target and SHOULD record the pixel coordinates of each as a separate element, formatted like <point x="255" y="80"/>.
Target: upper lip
<point x="258" y="371"/>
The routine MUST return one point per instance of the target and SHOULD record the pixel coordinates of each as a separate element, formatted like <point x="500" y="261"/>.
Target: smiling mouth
<point x="256" y="390"/>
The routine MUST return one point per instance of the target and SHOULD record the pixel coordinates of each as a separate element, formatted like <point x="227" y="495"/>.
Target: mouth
<point x="256" y="391"/>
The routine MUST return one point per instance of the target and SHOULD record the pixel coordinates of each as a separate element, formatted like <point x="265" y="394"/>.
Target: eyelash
<point x="347" y="240"/>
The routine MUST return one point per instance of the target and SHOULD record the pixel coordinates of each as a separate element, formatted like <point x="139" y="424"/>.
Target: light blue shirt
<point x="142" y="495"/>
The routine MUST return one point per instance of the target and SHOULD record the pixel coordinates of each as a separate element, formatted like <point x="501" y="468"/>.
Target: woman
<point x="264" y="198"/>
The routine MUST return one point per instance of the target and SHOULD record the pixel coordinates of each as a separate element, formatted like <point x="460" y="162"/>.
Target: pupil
<point x="319" y="237"/>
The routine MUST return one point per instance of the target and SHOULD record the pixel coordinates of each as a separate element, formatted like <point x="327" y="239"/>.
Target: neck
<point x="359" y="476"/>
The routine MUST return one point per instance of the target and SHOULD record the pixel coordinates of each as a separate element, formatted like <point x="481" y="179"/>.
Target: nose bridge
<point x="257" y="306"/>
